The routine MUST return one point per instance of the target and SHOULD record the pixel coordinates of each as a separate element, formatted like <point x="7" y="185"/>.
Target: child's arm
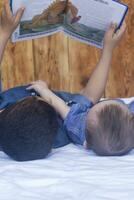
<point x="97" y="82"/>
<point x="48" y="96"/>
<point x="8" y="23"/>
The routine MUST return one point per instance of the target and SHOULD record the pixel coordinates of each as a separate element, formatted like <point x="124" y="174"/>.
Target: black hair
<point x="28" y="129"/>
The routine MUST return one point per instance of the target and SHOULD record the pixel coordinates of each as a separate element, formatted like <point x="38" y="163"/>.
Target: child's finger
<point x="6" y="1"/>
<point x="123" y="27"/>
<point x="19" y="15"/>
<point x="34" y="82"/>
<point x="7" y="9"/>
<point x="30" y="87"/>
<point x="122" y="30"/>
<point x="3" y="14"/>
<point x="112" y="28"/>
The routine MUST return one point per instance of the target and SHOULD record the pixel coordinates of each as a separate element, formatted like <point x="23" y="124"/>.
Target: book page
<point x="94" y="13"/>
<point x="40" y="18"/>
<point x="119" y="12"/>
<point x="86" y="20"/>
<point x="89" y="19"/>
<point x="33" y="7"/>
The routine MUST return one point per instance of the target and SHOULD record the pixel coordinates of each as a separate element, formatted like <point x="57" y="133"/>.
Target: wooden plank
<point x="51" y="61"/>
<point x="17" y="66"/>
<point x="1" y="3"/>
<point x="82" y="60"/>
<point x="121" y="79"/>
<point x="66" y="64"/>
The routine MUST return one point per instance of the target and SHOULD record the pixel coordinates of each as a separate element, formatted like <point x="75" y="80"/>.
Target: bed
<point x="69" y="173"/>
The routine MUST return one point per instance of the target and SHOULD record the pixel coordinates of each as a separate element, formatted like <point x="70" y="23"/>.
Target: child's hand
<point x="42" y="89"/>
<point x="112" y="38"/>
<point x="39" y="87"/>
<point x="8" y="21"/>
<point x="48" y="96"/>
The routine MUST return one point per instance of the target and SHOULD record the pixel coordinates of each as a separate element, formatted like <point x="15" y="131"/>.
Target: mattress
<point x="68" y="173"/>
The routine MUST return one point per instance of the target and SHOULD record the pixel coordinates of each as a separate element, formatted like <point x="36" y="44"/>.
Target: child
<point x="105" y="127"/>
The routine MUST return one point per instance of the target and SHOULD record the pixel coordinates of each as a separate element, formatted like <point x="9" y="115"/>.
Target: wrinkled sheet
<point x="69" y="173"/>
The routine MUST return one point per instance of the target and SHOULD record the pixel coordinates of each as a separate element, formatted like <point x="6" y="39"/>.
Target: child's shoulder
<point x="71" y="98"/>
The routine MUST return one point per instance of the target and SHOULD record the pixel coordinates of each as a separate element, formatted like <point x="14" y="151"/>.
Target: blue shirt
<point x="79" y="107"/>
<point x="75" y="123"/>
<point x="72" y="129"/>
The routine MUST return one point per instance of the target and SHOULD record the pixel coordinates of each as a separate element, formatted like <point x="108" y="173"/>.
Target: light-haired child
<point x="105" y="127"/>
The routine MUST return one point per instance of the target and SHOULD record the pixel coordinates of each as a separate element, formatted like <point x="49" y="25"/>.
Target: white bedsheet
<point x="70" y="173"/>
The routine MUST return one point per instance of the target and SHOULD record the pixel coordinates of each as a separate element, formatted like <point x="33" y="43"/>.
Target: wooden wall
<point x="66" y="64"/>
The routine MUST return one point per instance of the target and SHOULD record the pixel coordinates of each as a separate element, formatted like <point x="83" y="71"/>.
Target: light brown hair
<point x="113" y="135"/>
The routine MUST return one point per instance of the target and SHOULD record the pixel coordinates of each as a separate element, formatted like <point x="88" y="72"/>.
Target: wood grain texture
<point x="121" y="79"/>
<point x="82" y="60"/>
<point x="17" y="66"/>
<point x="51" y="61"/>
<point x="66" y="64"/>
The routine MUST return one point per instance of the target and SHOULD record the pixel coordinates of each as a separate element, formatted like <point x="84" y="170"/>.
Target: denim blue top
<point x="75" y="123"/>
<point x="72" y="129"/>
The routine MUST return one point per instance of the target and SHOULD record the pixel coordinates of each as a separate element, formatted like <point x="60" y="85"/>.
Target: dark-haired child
<point x="106" y="127"/>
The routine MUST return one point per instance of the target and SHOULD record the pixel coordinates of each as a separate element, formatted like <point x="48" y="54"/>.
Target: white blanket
<point x="69" y="173"/>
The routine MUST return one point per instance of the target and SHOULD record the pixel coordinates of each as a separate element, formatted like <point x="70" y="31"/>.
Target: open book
<point x="85" y="20"/>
